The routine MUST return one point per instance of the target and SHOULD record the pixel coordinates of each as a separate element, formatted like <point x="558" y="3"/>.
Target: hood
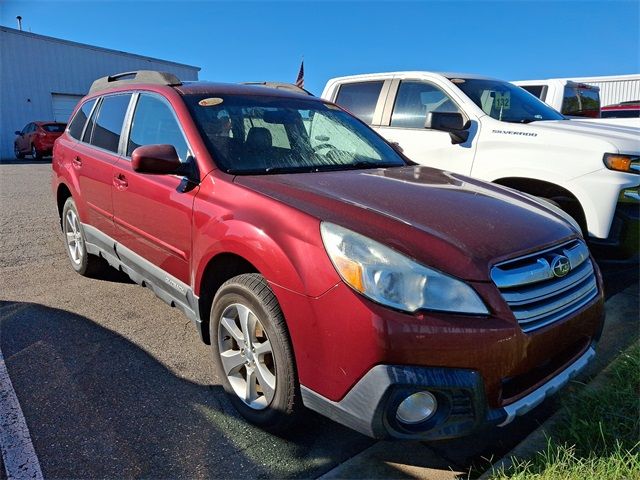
<point x="623" y="139"/>
<point x="459" y="225"/>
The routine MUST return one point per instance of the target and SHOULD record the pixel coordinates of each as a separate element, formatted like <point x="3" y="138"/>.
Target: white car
<point x="496" y="131"/>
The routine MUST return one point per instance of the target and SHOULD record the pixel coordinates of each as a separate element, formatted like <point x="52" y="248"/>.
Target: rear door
<point x="94" y="157"/>
<point x="153" y="213"/>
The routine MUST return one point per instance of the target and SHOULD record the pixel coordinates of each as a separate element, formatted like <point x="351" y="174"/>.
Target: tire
<point x="268" y="366"/>
<point x="35" y="154"/>
<point x="19" y="155"/>
<point x="82" y="262"/>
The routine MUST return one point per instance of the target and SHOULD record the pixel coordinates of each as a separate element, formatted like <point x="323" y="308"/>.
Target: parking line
<point x="18" y="454"/>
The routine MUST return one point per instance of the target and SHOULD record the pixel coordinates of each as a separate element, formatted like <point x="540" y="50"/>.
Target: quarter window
<point x="77" y="124"/>
<point x="360" y="99"/>
<point x="415" y="100"/>
<point x="154" y="123"/>
<point x="108" y="126"/>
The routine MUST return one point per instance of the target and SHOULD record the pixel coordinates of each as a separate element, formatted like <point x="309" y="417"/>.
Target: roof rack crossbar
<point x="138" y="76"/>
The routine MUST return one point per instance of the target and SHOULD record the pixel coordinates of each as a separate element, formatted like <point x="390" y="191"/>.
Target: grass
<point x="599" y="435"/>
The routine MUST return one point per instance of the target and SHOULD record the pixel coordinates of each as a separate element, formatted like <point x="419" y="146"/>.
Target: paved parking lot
<point x="115" y="383"/>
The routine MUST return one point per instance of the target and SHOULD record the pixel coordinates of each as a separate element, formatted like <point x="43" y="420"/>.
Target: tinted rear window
<point x="54" y="127"/>
<point x="108" y="126"/>
<point x="360" y="98"/>
<point x="620" y="113"/>
<point x="77" y="124"/>
<point x="581" y="102"/>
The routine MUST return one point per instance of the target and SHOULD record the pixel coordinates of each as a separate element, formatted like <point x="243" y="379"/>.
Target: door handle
<point x="77" y="162"/>
<point x="120" y="181"/>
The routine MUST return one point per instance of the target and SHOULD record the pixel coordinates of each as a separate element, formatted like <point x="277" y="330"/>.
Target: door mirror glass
<point x="158" y="159"/>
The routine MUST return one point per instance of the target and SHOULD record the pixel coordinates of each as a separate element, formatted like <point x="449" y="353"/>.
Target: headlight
<point x="392" y="279"/>
<point x="622" y="163"/>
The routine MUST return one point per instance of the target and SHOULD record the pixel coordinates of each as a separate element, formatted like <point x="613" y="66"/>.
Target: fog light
<point x="417" y="408"/>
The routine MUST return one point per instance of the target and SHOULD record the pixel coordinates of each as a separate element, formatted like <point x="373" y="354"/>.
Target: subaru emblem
<point x="560" y="265"/>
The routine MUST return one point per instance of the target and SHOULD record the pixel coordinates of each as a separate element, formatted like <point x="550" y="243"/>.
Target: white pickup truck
<point x="495" y="131"/>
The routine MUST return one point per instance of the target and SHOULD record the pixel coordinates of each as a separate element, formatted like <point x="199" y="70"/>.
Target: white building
<point x="42" y="78"/>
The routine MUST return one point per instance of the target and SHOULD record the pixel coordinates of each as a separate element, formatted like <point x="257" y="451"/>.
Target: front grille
<point x="536" y="295"/>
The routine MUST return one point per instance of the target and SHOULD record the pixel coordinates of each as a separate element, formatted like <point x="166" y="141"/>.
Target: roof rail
<point x="138" y="76"/>
<point x="280" y="85"/>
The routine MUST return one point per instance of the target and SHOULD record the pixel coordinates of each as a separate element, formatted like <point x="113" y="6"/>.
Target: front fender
<point x="293" y="260"/>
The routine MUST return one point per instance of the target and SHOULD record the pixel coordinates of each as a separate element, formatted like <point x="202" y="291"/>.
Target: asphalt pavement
<point x="114" y="383"/>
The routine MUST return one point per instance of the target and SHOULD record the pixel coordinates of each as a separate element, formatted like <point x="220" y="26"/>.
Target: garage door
<point x="63" y="105"/>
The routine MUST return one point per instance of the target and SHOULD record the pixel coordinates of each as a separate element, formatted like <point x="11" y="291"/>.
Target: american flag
<point x="300" y="79"/>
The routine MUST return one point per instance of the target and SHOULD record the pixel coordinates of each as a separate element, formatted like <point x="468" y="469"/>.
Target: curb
<point x="621" y="303"/>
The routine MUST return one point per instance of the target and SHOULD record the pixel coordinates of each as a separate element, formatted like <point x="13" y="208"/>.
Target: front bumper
<point x="623" y="242"/>
<point x="370" y="406"/>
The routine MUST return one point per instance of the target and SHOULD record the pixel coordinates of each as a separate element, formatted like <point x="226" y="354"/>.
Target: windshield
<point x="262" y="135"/>
<point x="505" y="101"/>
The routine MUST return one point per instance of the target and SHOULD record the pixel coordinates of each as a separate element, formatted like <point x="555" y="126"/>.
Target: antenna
<point x="19" y="18"/>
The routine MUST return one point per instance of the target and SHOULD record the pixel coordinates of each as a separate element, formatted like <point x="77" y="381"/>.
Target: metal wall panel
<point x="33" y="67"/>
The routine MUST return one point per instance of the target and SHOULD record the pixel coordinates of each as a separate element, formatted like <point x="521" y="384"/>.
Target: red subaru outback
<point x="323" y="267"/>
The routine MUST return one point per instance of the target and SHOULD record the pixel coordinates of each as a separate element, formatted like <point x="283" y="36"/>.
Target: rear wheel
<point x="81" y="261"/>
<point x="35" y="154"/>
<point x="16" y="150"/>
<point x="253" y="353"/>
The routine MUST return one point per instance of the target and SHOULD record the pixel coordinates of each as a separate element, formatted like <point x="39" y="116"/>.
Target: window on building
<point x="360" y="98"/>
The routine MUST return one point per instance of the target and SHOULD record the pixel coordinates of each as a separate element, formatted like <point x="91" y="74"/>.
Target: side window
<point x="108" y="125"/>
<point x="154" y="123"/>
<point x="414" y="100"/>
<point x="80" y="118"/>
<point x="534" y="90"/>
<point x="360" y="98"/>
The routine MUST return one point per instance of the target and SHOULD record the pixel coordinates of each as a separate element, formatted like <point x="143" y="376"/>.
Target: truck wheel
<point x="253" y="353"/>
<point x="82" y="262"/>
<point x="16" y="151"/>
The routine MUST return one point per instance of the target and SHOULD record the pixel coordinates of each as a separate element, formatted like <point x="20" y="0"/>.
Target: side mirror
<point x="396" y="146"/>
<point x="18" y="133"/>
<point x="449" y="122"/>
<point x="158" y="159"/>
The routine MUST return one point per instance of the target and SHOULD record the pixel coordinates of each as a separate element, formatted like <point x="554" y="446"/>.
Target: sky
<point x="252" y="41"/>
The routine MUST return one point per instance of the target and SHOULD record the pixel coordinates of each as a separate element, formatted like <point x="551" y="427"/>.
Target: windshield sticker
<point x="457" y="80"/>
<point x="210" y="102"/>
<point x="514" y="132"/>
<point x="331" y="106"/>
<point x="502" y="100"/>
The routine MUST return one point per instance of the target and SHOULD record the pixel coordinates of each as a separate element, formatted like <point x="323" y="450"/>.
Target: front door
<point x="406" y="110"/>
<point x="153" y="213"/>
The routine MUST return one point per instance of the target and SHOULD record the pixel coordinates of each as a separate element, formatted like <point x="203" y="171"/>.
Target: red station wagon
<point x="323" y="267"/>
<point x="37" y="138"/>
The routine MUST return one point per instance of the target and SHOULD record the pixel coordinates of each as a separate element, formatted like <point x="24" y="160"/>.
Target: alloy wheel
<point x="247" y="356"/>
<point x="74" y="237"/>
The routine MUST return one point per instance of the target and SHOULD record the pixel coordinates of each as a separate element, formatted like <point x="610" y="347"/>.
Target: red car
<point x="36" y="139"/>
<point x="629" y="109"/>
<point x="323" y="267"/>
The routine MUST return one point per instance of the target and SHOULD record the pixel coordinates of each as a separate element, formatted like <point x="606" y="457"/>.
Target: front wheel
<point x="16" y="150"/>
<point x="253" y="353"/>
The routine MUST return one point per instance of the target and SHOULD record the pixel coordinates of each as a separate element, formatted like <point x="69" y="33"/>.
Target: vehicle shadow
<point x="98" y="405"/>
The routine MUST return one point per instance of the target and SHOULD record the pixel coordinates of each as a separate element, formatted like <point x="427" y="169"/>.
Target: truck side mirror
<point x="449" y="122"/>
